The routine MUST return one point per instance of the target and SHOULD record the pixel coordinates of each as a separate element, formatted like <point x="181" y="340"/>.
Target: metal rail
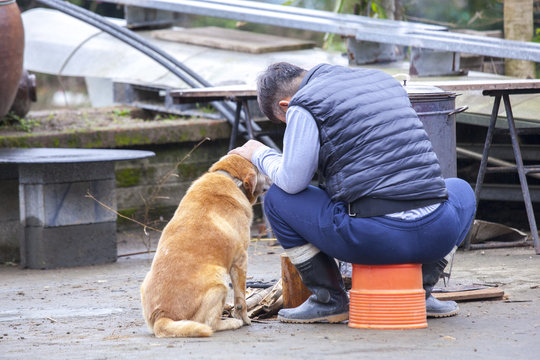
<point x="358" y="27"/>
<point x="364" y="20"/>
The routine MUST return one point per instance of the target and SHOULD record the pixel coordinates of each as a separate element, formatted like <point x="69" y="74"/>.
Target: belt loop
<point x="349" y="207"/>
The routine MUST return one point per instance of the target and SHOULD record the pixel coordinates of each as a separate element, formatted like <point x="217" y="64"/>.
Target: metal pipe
<point x="521" y="171"/>
<point x="492" y="160"/>
<point x="326" y="14"/>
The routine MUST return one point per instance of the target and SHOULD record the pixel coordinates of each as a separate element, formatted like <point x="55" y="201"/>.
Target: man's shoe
<point x="312" y="311"/>
<point x="329" y="301"/>
<point x="431" y="274"/>
<point x="439" y="309"/>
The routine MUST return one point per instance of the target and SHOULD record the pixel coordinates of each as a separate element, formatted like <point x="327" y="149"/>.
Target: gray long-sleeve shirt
<point x="293" y="170"/>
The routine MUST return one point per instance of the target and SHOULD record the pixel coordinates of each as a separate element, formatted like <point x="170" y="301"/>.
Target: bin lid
<point x="427" y="92"/>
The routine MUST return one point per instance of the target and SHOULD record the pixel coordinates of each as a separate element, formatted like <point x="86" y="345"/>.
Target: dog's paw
<point x="240" y="312"/>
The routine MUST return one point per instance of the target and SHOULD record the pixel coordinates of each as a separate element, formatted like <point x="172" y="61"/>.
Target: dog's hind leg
<point x="212" y="308"/>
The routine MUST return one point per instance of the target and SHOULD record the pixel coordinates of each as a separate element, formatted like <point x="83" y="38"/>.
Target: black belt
<point x="370" y="207"/>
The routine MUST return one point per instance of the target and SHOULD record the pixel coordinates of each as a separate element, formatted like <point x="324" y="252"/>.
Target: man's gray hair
<point x="279" y="81"/>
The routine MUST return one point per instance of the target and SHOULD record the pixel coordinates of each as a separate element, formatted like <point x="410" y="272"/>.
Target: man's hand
<point x="247" y="149"/>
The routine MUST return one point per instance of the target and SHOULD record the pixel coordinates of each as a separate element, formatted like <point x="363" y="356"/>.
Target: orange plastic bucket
<point x="387" y="297"/>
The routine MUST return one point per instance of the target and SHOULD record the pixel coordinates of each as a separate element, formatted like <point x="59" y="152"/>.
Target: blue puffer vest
<point x="373" y="146"/>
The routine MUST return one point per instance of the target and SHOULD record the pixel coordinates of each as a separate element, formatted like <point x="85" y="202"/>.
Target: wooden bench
<point x="238" y="94"/>
<point x="46" y="189"/>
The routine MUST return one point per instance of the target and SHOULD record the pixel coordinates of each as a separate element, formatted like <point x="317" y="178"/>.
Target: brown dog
<point x="184" y="292"/>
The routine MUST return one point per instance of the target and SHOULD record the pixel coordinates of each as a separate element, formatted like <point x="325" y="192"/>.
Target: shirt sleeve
<point x="293" y="169"/>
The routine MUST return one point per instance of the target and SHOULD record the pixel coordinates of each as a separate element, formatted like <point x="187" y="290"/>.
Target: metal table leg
<point x="519" y="164"/>
<point x="236" y="125"/>
<point x="234" y="130"/>
<point x="485" y="155"/>
<point x="247" y="118"/>
<point x="487" y="146"/>
<point x="521" y="172"/>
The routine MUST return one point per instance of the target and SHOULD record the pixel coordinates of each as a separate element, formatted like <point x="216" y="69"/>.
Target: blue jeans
<point x="311" y="217"/>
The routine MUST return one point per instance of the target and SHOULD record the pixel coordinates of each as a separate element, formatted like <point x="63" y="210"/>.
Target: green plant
<point x="206" y="108"/>
<point x="21" y="123"/>
<point x="289" y="2"/>
<point x="167" y="117"/>
<point x="536" y="37"/>
<point x="122" y="112"/>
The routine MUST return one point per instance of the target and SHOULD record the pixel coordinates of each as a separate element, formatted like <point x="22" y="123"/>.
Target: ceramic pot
<point x="11" y="53"/>
<point x="25" y="95"/>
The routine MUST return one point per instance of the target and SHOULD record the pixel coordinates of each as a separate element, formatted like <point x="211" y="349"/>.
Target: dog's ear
<point x="250" y="183"/>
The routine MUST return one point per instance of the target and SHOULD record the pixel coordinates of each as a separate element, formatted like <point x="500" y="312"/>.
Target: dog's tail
<point x="165" y="327"/>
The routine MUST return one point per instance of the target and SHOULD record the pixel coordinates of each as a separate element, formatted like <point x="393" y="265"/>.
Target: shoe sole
<point x="443" y="315"/>
<point x="325" y="319"/>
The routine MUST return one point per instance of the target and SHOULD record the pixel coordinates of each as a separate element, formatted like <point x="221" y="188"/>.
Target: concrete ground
<point x="94" y="312"/>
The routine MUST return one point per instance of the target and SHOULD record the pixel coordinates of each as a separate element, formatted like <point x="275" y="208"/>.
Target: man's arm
<point x="292" y="170"/>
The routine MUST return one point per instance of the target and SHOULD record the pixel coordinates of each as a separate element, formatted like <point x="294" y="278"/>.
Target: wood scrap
<point x="232" y="39"/>
<point x="261" y="303"/>
<point x="490" y="235"/>
<point x="265" y="303"/>
<point x="468" y="295"/>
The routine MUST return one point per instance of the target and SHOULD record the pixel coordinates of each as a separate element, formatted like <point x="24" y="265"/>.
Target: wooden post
<point x="294" y="290"/>
<point x="519" y="25"/>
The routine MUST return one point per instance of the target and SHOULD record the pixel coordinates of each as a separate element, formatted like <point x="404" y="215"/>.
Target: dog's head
<point x="253" y="181"/>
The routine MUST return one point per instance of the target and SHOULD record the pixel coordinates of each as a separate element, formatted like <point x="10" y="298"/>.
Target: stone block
<point x="137" y="17"/>
<point x="429" y="62"/>
<point x="9" y="198"/>
<point x="10" y="235"/>
<point x="63" y="173"/>
<point x="62" y="204"/>
<point x="10" y="226"/>
<point x="8" y="171"/>
<point x="68" y="246"/>
<point x="367" y="52"/>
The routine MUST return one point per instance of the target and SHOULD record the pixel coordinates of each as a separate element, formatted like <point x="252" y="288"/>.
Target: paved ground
<point x="94" y="313"/>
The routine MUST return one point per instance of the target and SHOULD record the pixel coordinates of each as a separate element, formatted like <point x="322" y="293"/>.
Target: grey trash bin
<point x="436" y="109"/>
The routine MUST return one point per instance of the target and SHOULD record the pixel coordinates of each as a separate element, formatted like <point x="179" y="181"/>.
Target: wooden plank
<point x="231" y="39"/>
<point x="463" y="85"/>
<point x="481" y="294"/>
<point x="473" y="85"/>
<point x="476" y="85"/>
<point x="216" y="92"/>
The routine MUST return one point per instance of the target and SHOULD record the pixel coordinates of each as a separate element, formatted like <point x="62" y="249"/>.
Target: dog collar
<point x="236" y="180"/>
